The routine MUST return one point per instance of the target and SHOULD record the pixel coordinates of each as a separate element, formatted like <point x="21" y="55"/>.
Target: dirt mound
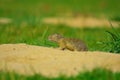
<point x="80" y="22"/>
<point x="5" y="20"/>
<point x="27" y="59"/>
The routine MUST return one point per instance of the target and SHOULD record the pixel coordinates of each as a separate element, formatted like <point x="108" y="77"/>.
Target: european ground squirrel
<point x="68" y="43"/>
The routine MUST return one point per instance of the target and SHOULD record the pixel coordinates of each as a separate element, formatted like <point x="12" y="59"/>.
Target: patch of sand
<point x="5" y="20"/>
<point x="80" y="22"/>
<point x="27" y="59"/>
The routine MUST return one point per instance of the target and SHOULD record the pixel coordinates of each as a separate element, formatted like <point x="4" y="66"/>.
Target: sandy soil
<point x="80" y="21"/>
<point x="27" y="59"/>
<point x="4" y="20"/>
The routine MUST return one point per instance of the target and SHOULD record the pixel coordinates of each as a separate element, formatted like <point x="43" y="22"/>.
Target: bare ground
<point x="4" y="20"/>
<point x="27" y="59"/>
<point x="80" y="21"/>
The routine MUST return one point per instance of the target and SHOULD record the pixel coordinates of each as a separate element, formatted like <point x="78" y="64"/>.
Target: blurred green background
<point x="26" y="16"/>
<point x="30" y="9"/>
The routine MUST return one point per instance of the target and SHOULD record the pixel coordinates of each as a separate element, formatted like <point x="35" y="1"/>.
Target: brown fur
<point x="68" y="43"/>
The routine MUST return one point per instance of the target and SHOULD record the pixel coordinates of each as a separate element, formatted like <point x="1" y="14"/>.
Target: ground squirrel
<point x="68" y="43"/>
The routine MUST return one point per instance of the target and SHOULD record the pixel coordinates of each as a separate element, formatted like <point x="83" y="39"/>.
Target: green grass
<point x="96" y="74"/>
<point x="38" y="35"/>
<point x="26" y="10"/>
<point x="113" y="45"/>
<point x="34" y="32"/>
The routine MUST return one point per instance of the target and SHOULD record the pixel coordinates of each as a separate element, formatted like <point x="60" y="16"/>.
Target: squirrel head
<point x="55" y="37"/>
